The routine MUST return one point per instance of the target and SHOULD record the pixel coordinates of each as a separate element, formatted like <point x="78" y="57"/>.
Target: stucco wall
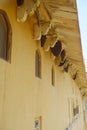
<point x="24" y="97"/>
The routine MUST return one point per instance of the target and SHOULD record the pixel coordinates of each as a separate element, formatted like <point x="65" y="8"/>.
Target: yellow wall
<point x="24" y="97"/>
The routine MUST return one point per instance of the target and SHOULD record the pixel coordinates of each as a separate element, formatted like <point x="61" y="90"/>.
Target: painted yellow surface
<point x="23" y="96"/>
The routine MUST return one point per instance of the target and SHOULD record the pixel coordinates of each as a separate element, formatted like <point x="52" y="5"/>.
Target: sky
<point x="82" y="14"/>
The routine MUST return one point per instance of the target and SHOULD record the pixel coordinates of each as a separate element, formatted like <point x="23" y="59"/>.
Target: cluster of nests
<point x="45" y="32"/>
<point x="51" y="43"/>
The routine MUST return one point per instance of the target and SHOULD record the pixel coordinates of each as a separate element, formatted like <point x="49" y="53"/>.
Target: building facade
<point x="36" y="93"/>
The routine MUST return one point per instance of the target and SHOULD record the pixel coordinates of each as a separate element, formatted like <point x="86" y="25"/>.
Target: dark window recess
<point x="63" y="54"/>
<point x="74" y="111"/>
<point x="77" y="109"/>
<point x="5" y="37"/>
<point x="57" y="48"/>
<point x="20" y="2"/>
<point x="37" y="64"/>
<point x="53" y="77"/>
<point x="43" y="40"/>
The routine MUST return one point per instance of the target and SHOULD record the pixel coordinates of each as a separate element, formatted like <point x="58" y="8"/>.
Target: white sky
<point x="82" y="13"/>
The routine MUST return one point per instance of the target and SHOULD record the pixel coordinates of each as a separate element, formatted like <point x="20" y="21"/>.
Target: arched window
<point x="53" y="76"/>
<point x="5" y="37"/>
<point x="38" y="64"/>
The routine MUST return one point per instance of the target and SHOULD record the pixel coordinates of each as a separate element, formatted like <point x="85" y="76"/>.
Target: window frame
<point x="8" y="45"/>
<point x="52" y="76"/>
<point x="38" y="64"/>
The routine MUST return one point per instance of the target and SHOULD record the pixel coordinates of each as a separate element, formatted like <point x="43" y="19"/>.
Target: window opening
<point x="38" y="64"/>
<point x="5" y="37"/>
<point x="53" y="76"/>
